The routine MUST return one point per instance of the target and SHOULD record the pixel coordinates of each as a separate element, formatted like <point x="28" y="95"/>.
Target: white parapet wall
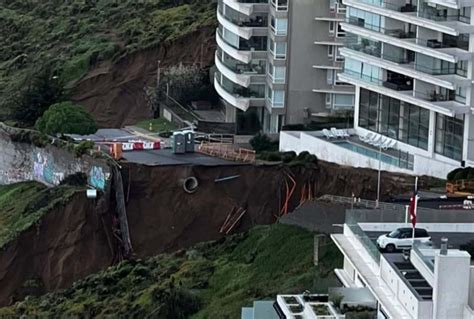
<point x="325" y="150"/>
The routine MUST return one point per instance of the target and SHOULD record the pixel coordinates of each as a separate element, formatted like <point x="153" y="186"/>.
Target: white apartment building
<point x="426" y="283"/>
<point x="277" y="61"/>
<point x="411" y="62"/>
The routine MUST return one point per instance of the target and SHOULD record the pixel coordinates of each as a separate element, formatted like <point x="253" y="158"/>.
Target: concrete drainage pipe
<point x="190" y="184"/>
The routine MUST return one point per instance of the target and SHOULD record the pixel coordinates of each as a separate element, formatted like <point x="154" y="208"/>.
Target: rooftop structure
<point x="422" y="283"/>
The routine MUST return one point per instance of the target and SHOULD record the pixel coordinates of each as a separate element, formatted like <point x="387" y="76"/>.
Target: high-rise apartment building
<point x="411" y="63"/>
<point x="277" y="62"/>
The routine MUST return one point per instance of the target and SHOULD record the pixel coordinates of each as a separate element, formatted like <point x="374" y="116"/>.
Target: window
<point x="280" y="5"/>
<point x="449" y="136"/>
<point x="279" y="25"/>
<point x="328" y="99"/>
<point x="278" y="49"/>
<point x="331" y="27"/>
<point x="394" y="118"/>
<point x="276" y="97"/>
<point x="330" y="52"/>
<point x="329" y="77"/>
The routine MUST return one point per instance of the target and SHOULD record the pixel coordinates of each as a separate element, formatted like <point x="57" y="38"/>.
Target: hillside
<point x="24" y="204"/>
<point x="211" y="280"/>
<point x="72" y="39"/>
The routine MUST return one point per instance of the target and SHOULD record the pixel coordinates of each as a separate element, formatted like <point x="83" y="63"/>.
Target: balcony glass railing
<point x="392" y="5"/>
<point x="459" y="42"/>
<point x="255" y="43"/>
<point x="254" y="91"/>
<point x="257" y="67"/>
<point x="241" y="20"/>
<point x="365" y="241"/>
<point x="399" y="33"/>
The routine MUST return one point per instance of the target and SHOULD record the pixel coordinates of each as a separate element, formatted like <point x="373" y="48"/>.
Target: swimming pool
<point x="391" y="160"/>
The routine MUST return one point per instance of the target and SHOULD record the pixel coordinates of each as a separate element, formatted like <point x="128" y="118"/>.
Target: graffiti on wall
<point x="44" y="169"/>
<point x="97" y="177"/>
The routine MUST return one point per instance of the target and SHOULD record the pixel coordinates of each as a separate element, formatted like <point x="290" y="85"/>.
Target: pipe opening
<point x="190" y="184"/>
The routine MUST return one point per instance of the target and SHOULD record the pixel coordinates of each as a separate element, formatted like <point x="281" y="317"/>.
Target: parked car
<point x="401" y="238"/>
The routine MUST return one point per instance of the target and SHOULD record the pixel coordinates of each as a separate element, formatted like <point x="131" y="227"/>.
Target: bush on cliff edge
<point x="66" y="118"/>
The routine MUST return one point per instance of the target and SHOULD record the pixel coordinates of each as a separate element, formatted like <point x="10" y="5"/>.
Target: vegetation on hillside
<point x="66" y="118"/>
<point x="211" y="280"/>
<point x="36" y="200"/>
<point x="64" y="39"/>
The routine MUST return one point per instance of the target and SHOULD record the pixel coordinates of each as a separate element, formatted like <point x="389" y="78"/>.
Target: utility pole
<point x="158" y="73"/>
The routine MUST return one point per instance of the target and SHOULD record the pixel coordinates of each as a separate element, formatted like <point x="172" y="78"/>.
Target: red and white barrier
<point x="139" y="146"/>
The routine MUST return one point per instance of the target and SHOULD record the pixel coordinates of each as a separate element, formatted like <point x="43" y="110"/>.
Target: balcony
<point x="448" y="49"/>
<point x="401" y="88"/>
<point x="248" y="7"/>
<point x="405" y="63"/>
<point x="242" y="25"/>
<point x="425" y="16"/>
<point x="238" y="96"/>
<point x="238" y="72"/>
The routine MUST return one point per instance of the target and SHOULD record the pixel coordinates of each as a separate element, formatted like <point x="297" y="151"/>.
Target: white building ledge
<point x="368" y="269"/>
<point x="238" y="102"/>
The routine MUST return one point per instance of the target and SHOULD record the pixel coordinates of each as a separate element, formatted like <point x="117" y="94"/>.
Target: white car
<point x="401" y="238"/>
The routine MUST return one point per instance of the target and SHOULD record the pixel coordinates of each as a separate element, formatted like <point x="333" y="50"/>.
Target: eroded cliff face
<point x="76" y="239"/>
<point x="70" y="242"/>
<point x="115" y="93"/>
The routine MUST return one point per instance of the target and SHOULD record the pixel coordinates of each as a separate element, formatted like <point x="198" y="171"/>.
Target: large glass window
<point x="449" y="136"/>
<point x="394" y="118"/>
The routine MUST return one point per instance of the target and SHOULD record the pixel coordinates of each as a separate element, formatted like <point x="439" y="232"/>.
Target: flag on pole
<point x="413" y="206"/>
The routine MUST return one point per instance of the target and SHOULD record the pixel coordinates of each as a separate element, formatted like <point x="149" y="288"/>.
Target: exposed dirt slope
<point x="115" y="93"/>
<point x="70" y="242"/>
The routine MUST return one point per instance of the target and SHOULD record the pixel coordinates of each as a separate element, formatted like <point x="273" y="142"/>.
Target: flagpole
<point x="416" y="204"/>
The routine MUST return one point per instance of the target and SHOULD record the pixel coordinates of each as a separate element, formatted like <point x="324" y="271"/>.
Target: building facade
<point x="277" y="61"/>
<point x="411" y="63"/>
<point x="422" y="283"/>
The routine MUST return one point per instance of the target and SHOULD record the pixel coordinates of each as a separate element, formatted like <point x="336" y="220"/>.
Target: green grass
<point x="211" y="280"/>
<point x="24" y="204"/>
<point x="158" y="125"/>
<point x="75" y="36"/>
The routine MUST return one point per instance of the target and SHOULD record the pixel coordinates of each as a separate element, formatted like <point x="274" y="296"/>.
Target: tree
<point x="66" y="118"/>
<point x="42" y="89"/>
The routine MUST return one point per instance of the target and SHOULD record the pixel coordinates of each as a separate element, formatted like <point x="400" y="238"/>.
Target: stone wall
<point x="23" y="161"/>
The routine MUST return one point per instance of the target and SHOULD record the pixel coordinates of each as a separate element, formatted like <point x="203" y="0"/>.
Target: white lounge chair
<point x="375" y="140"/>
<point x="327" y="134"/>
<point x="335" y="132"/>
<point x="345" y="133"/>
<point x="367" y="137"/>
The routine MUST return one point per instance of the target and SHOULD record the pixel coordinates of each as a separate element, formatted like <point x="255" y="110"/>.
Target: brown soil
<point x="71" y="242"/>
<point x="115" y="93"/>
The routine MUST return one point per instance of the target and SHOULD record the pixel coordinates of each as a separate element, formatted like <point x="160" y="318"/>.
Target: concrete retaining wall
<point x="22" y="161"/>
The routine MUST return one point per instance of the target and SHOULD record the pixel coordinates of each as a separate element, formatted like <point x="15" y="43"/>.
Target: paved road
<point x="166" y="157"/>
<point x="153" y="157"/>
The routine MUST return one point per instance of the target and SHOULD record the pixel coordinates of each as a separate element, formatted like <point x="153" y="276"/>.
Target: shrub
<point x="287" y="157"/>
<point x="462" y="174"/>
<point x="261" y="142"/>
<point x="66" y="118"/>
<point x="83" y="147"/>
<point x="453" y="173"/>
